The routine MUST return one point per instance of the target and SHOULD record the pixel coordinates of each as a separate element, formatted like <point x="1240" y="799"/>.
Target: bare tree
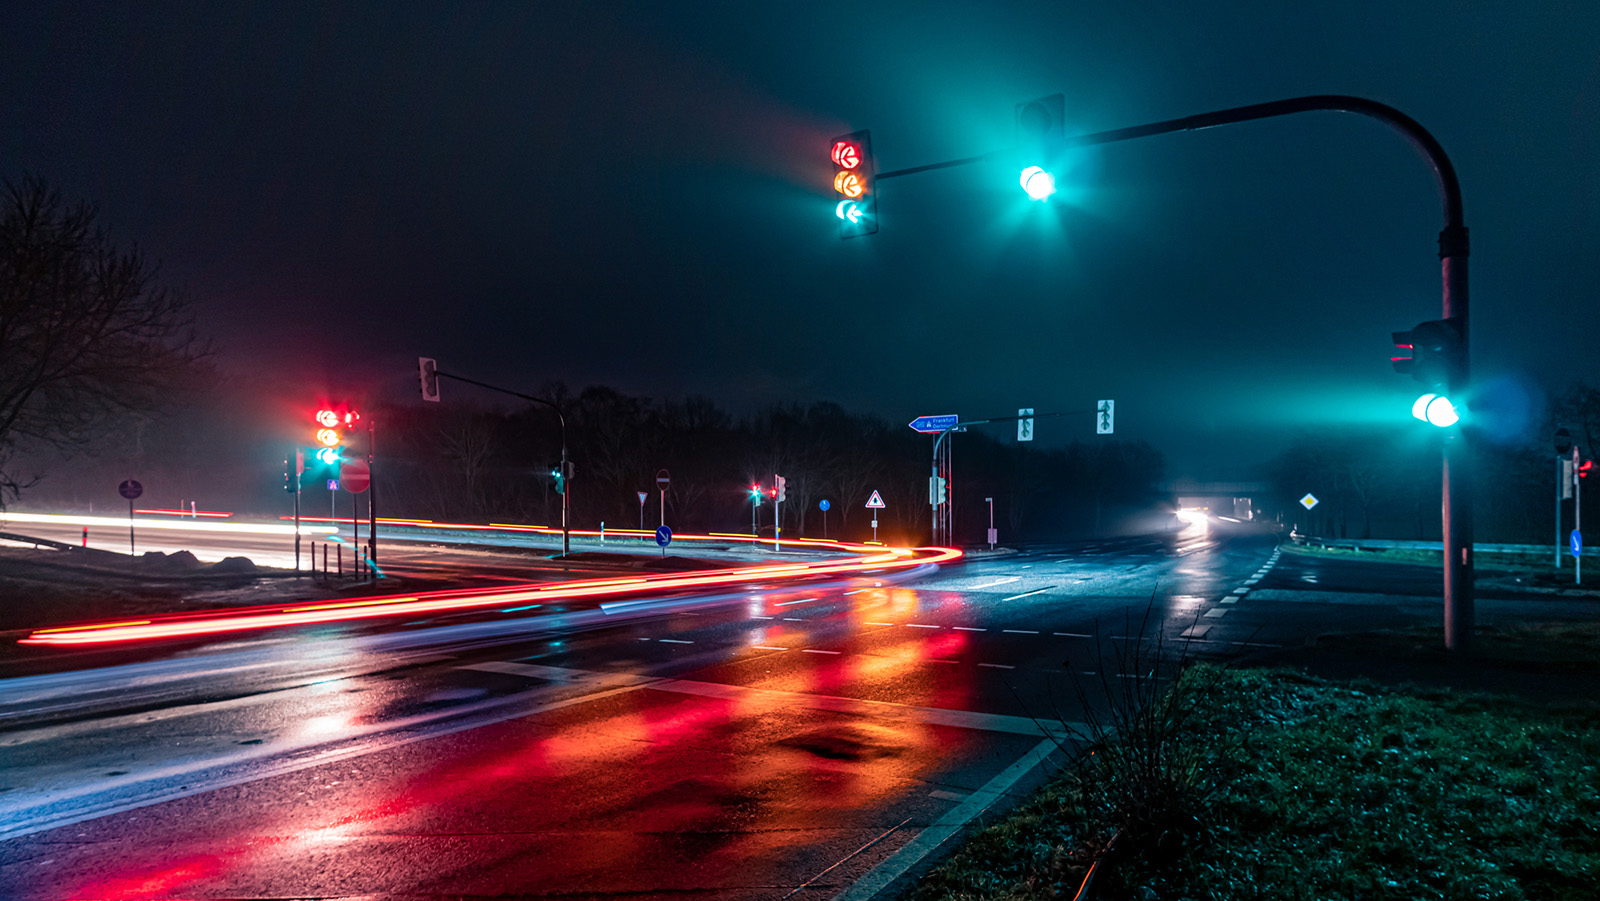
<point x="87" y="334"/>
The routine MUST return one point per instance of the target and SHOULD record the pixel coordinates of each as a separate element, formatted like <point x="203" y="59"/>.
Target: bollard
<point x="85" y="536"/>
<point x="339" y="557"/>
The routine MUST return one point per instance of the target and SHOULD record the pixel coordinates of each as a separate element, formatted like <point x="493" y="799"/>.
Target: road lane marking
<point x="1230" y="599"/>
<point x="997" y="666"/>
<point x="877" y="624"/>
<point x="923" y="626"/>
<point x="910" y="854"/>
<point x="816" y="651"/>
<point x="1021" y="631"/>
<point x="763" y="617"/>
<point x="794" y="619"/>
<point x="788" y="603"/>
<point x="859" y="590"/>
<point x="762" y="647"/>
<point x="1035" y="591"/>
<point x="1216" y="612"/>
<point x="969" y="629"/>
<point x="673" y="641"/>
<point x="1072" y="634"/>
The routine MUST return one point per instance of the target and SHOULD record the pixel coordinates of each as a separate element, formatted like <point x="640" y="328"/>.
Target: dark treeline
<point x="472" y="463"/>
<point x="1384" y="482"/>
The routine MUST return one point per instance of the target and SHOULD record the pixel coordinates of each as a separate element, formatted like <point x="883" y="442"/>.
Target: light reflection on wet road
<point x="735" y="751"/>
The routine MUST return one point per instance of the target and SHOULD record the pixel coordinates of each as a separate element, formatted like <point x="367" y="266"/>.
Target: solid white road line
<point x="943" y="828"/>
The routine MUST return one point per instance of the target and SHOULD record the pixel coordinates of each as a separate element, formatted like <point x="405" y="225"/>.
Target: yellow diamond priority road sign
<point x="1309" y="501"/>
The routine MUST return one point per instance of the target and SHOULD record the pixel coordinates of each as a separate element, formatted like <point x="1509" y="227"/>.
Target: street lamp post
<point x="1456" y="509"/>
<point x="566" y="527"/>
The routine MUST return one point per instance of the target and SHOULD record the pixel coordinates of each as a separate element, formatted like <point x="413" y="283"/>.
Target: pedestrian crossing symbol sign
<point x="875" y="502"/>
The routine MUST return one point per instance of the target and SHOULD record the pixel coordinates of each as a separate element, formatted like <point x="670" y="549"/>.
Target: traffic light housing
<point x="938" y="491"/>
<point x="782" y="488"/>
<point x="1430" y="353"/>
<point x="1041" y="136"/>
<point x="560" y="479"/>
<point x="428" y="373"/>
<point x="854" y="184"/>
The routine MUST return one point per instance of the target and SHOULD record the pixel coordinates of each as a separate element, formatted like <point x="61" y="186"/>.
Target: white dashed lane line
<point x="673" y="641"/>
<point x="923" y="626"/>
<point x="968" y="629"/>
<point x="789" y="603"/>
<point x="1027" y="593"/>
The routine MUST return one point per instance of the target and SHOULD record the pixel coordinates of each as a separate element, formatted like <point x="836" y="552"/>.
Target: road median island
<point x="1283" y="783"/>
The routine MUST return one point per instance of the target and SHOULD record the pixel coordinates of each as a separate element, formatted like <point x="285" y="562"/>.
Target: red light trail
<point x="191" y="625"/>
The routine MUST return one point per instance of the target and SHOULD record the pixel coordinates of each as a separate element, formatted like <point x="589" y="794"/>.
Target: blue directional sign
<point x="663" y="536"/>
<point x="1577" y="543"/>
<point x="934" y="424"/>
<point x="823" y="504"/>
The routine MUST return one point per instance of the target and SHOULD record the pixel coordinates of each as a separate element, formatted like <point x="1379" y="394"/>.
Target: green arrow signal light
<point x="1435" y="409"/>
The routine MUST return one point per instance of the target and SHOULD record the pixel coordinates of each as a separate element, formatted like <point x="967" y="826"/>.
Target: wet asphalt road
<point x="807" y="741"/>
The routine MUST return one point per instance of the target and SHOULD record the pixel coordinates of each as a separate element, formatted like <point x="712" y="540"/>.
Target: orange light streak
<point x="447" y="601"/>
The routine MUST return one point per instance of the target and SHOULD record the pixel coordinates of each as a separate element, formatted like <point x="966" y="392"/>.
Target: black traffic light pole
<point x="566" y="528"/>
<point x="1456" y="463"/>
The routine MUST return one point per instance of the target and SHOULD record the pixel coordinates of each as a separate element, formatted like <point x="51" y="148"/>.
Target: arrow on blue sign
<point x="933" y="424"/>
<point x="1577" y="543"/>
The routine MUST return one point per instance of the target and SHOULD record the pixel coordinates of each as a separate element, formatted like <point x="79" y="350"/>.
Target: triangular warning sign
<point x="875" y="501"/>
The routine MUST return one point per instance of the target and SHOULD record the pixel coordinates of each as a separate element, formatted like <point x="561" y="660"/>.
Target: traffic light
<point x="560" y="478"/>
<point x="755" y="494"/>
<point x="782" y="488"/>
<point x="1041" y="135"/>
<point x="428" y="372"/>
<point x="854" y="184"/>
<point x="1431" y="353"/>
<point x="1584" y="467"/>
<point x="937" y="490"/>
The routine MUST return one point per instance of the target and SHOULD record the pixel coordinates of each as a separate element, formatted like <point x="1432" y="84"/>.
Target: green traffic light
<point x="1435" y="409"/>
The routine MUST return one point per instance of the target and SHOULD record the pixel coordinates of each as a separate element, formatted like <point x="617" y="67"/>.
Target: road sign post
<point x="663" y="479"/>
<point x="875" y="503"/>
<point x="1563" y="446"/>
<point x="823" y="504"/>
<point x="130" y="490"/>
<point x="642" y="496"/>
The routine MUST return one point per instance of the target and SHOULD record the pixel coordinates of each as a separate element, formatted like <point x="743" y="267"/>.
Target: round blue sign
<point x="823" y="504"/>
<point x="663" y="536"/>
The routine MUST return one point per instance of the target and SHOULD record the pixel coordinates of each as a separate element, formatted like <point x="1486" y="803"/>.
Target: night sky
<point x="638" y="195"/>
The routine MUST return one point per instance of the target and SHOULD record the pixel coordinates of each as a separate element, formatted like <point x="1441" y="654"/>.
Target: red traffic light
<point x="1584" y="467"/>
<point x="846" y="154"/>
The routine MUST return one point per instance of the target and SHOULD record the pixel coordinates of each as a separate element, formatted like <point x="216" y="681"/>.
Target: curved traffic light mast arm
<point x="1453" y="250"/>
<point x="566" y="525"/>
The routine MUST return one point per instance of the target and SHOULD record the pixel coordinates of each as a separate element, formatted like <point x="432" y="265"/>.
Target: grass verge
<point x="1314" y="789"/>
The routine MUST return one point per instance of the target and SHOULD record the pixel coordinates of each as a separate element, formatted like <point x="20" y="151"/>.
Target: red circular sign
<point x="354" y="476"/>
